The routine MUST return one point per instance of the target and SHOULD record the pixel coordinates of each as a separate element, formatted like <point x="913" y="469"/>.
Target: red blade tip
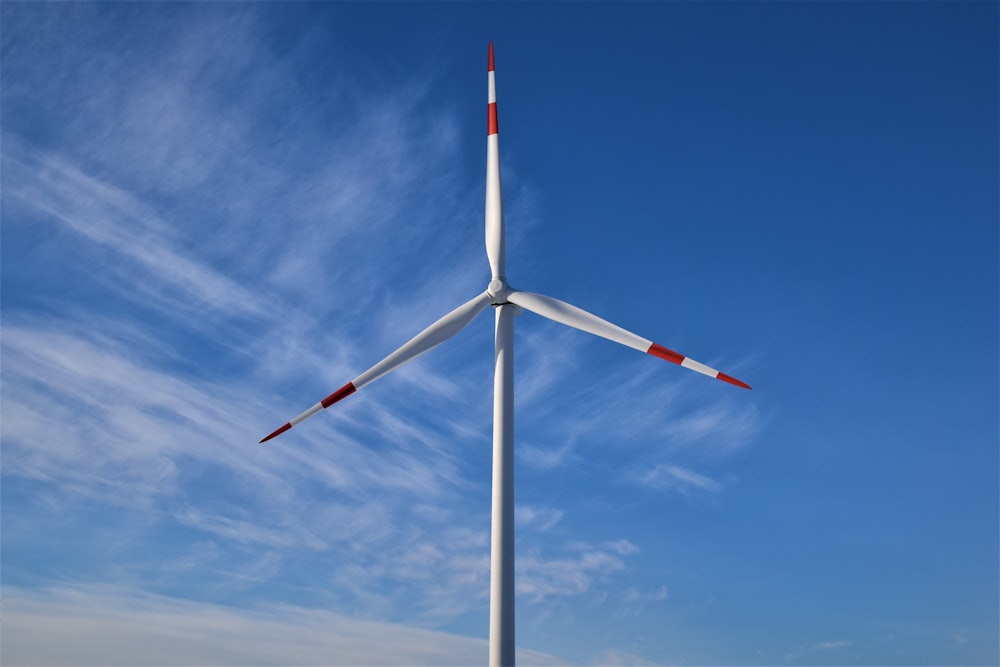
<point x="278" y="432"/>
<point x="491" y="56"/>
<point x="731" y="380"/>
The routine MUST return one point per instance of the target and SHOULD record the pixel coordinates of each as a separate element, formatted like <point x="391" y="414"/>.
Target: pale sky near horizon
<point x="214" y="214"/>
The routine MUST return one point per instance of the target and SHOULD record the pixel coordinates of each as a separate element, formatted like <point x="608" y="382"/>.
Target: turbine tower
<point x="506" y="302"/>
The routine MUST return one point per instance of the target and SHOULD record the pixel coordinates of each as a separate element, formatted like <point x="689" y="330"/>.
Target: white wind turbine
<point x="507" y="301"/>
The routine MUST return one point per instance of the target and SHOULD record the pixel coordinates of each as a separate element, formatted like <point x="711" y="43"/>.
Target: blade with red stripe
<point x="495" y="245"/>
<point x="429" y="338"/>
<point x="571" y="316"/>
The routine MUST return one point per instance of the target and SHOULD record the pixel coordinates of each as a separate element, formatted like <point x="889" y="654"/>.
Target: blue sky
<point x="215" y="214"/>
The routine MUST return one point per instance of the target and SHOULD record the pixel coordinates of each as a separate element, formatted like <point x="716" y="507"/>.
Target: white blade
<point x="494" y="201"/>
<point x="431" y="337"/>
<point x="571" y="316"/>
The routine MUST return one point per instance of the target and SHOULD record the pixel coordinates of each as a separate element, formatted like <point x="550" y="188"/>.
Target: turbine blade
<point x="431" y="337"/>
<point x="571" y="316"/>
<point x="494" y="200"/>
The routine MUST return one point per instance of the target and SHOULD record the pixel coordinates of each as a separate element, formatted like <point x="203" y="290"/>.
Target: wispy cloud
<point x="633" y="594"/>
<point x="722" y="427"/>
<point x="619" y="657"/>
<point x="827" y="649"/>
<point x="677" y="478"/>
<point x="104" y="625"/>
<point x="537" y="518"/>
<point x="145" y="244"/>
<point x="543" y="458"/>
<point x="622" y="547"/>
<point x="539" y="578"/>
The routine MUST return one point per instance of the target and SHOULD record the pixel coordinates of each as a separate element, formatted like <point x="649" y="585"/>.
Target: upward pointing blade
<point x="431" y="337"/>
<point x="571" y="316"/>
<point x="494" y="200"/>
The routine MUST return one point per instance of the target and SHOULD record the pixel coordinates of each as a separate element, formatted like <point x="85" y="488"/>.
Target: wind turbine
<point x="507" y="302"/>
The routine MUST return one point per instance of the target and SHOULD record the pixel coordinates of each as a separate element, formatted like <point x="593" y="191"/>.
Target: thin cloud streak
<point x="104" y="625"/>
<point x="539" y="519"/>
<point x="539" y="578"/>
<point x="110" y="217"/>
<point x="677" y="478"/>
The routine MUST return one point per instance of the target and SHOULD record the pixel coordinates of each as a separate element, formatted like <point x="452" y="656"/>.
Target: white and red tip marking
<point x="341" y="393"/>
<point x="679" y="359"/>
<point x="491" y="101"/>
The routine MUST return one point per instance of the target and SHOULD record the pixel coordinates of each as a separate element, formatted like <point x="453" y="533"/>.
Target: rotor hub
<point x="498" y="290"/>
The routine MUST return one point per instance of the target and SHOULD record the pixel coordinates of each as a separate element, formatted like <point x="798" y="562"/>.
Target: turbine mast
<point x="502" y="527"/>
<point x="502" y="544"/>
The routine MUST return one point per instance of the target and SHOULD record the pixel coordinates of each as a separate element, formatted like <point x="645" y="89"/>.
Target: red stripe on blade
<point x="278" y="432"/>
<point x="664" y="353"/>
<point x="491" y="57"/>
<point x="492" y="126"/>
<point x="343" y="392"/>
<point x="731" y="380"/>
